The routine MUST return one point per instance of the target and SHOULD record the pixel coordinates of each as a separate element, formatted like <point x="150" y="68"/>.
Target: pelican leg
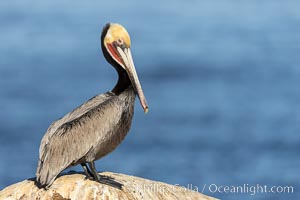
<point x="94" y="171"/>
<point x="103" y="179"/>
<point x="87" y="171"/>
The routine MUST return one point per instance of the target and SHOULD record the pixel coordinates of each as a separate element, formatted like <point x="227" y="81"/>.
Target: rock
<point x="76" y="186"/>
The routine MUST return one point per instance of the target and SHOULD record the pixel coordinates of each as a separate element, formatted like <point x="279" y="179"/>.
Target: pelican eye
<point x="120" y="42"/>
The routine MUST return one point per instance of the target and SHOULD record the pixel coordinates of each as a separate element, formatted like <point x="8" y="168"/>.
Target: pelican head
<point x="115" y="42"/>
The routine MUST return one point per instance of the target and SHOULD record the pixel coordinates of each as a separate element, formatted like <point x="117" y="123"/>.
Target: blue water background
<point x="221" y="78"/>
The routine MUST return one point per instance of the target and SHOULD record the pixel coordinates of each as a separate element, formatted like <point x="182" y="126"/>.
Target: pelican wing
<point x="76" y="113"/>
<point x="70" y="138"/>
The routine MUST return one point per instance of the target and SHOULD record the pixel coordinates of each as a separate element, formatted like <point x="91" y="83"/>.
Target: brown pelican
<point x="98" y="126"/>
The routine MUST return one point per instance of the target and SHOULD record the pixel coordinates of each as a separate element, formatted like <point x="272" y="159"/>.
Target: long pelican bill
<point x="125" y="55"/>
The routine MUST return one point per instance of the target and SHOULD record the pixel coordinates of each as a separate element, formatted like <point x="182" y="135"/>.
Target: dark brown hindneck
<point x="123" y="81"/>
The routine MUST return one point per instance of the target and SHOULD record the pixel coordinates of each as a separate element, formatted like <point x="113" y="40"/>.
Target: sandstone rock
<point x="77" y="187"/>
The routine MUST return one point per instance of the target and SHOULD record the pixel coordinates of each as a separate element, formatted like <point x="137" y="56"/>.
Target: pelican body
<point x="98" y="126"/>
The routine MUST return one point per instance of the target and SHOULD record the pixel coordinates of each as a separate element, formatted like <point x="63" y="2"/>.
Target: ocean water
<point x="221" y="79"/>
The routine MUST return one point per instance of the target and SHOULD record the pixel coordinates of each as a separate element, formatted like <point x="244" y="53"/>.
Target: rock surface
<point x="76" y="186"/>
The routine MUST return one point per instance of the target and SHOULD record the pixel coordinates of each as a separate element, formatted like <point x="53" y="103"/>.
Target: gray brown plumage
<point x="98" y="126"/>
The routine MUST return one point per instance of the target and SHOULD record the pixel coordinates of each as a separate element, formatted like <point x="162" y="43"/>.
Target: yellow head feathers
<point x="116" y="32"/>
